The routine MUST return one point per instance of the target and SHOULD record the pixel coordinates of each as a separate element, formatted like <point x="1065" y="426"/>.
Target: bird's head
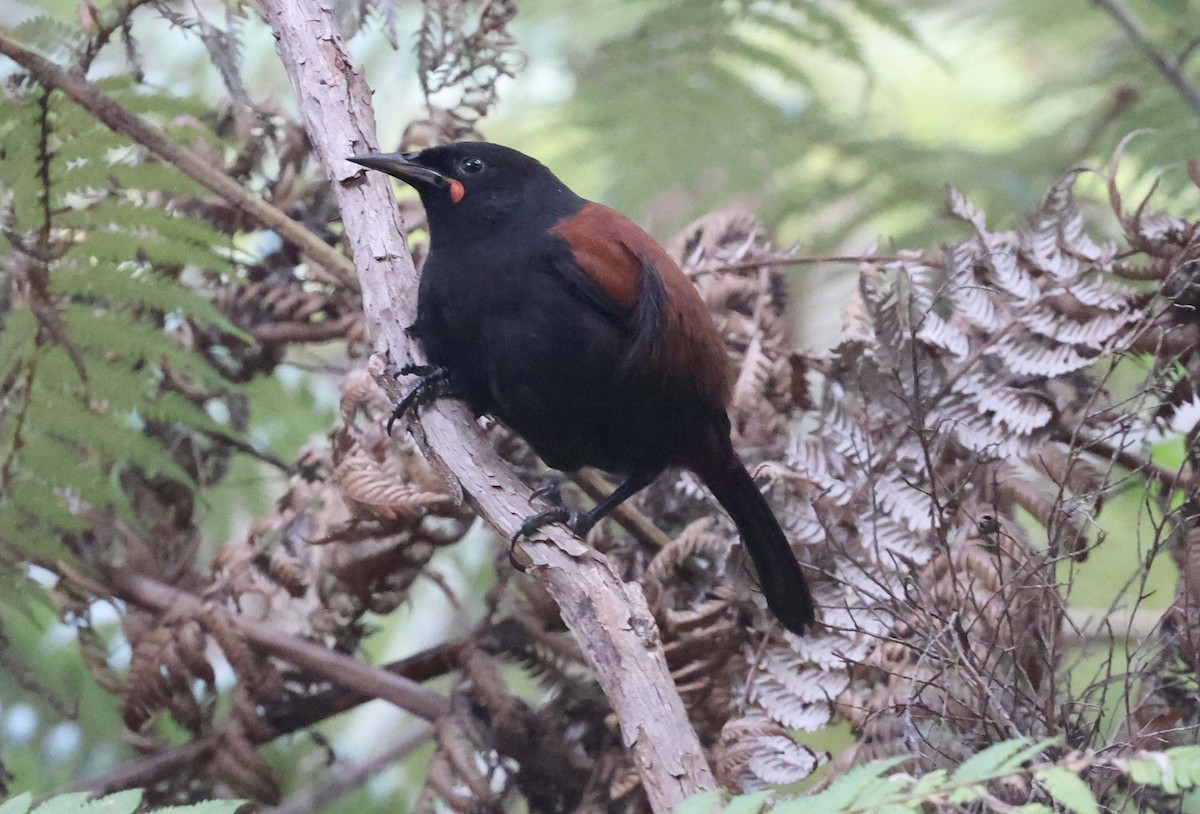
<point x="477" y="186"/>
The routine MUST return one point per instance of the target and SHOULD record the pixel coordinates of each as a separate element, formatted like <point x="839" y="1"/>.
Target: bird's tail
<point x="779" y="575"/>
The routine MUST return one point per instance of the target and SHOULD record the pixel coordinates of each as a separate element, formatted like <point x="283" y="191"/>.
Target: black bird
<point x="567" y="322"/>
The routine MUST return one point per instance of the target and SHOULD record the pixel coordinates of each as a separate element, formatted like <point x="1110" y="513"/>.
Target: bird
<point x="568" y="323"/>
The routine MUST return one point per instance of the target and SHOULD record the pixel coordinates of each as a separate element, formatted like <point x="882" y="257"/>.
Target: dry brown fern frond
<point x="468" y="60"/>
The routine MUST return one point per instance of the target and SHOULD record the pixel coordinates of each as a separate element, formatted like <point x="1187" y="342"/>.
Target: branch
<point x="146" y="771"/>
<point x="282" y="719"/>
<point x="629" y="518"/>
<point x="345" y="779"/>
<point x="337" y="269"/>
<point x="330" y="665"/>
<point x="609" y="618"/>
<point x="1169" y="67"/>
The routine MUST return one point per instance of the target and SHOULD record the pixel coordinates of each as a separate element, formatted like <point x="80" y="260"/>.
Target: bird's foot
<point x="412" y="369"/>
<point x="555" y="514"/>
<point x="434" y="383"/>
<point x="549" y="492"/>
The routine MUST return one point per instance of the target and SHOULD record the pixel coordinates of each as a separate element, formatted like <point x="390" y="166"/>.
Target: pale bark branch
<point x="610" y="618"/>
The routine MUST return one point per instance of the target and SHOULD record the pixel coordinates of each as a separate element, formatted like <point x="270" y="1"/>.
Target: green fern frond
<point x="108" y="332"/>
<point x="16" y="340"/>
<point x="122" y="802"/>
<point x="116" y="243"/>
<point x="137" y="288"/>
<point x="111" y="435"/>
<point x="53" y="38"/>
<point x="54" y="460"/>
<point x="146" y="101"/>
<point x="153" y="175"/>
<point x="19" y="159"/>
<point x="37" y="498"/>
<point x="872" y="788"/>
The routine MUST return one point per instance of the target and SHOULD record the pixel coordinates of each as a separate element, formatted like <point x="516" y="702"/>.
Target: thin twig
<point x="345" y="779"/>
<point x="145" y="771"/>
<point x="292" y="715"/>
<point x="1182" y="479"/>
<point x="328" y="262"/>
<point x="1168" y="66"/>
<point x="809" y="260"/>
<point x="625" y="515"/>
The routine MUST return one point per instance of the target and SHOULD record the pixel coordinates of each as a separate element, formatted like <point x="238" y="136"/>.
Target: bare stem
<point x="330" y="665"/>
<point x="1168" y="66"/>
<point x="347" y="779"/>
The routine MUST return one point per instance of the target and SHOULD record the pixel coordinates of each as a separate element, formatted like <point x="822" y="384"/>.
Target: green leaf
<point x="16" y="340"/>
<point x="1174" y="8"/>
<point x="999" y="758"/>
<point x="1185" y="760"/>
<point x="967" y="794"/>
<point x="1068" y="789"/>
<point x="123" y="802"/>
<point x="138" y="287"/>
<point x="108" y="332"/>
<point x="49" y="459"/>
<point x="207" y="807"/>
<point x="707" y="803"/>
<point x="38" y="499"/>
<point x="153" y="175"/>
<point x="63" y="803"/>
<point x="1146" y="771"/>
<point x="17" y="805"/>
<point x="747" y="803"/>
<point x="110" y="436"/>
<point x="843" y="791"/>
<point x="1035" y="808"/>
<point x="928" y="783"/>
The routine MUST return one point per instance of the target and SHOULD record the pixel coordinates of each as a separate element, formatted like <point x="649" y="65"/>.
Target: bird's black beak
<point x="402" y="166"/>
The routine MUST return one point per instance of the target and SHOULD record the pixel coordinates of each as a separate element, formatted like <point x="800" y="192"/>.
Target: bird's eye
<point x="471" y="166"/>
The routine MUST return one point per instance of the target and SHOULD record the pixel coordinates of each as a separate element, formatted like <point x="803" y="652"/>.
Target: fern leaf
<point x="16" y="340"/>
<point x="153" y="175"/>
<point x="17" y="805"/>
<point x="37" y="498"/>
<point x="110" y="435"/>
<point x="19" y="161"/>
<point x="114" y="333"/>
<point x="1068" y="789"/>
<point x="144" y="101"/>
<point x="142" y="288"/>
<point x="207" y="807"/>
<point x="845" y="790"/>
<point x="46" y="458"/>
<point x="123" y="802"/>
<point x="996" y="759"/>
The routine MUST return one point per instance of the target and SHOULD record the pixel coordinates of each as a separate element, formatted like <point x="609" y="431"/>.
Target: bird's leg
<point x="435" y="382"/>
<point x="582" y="522"/>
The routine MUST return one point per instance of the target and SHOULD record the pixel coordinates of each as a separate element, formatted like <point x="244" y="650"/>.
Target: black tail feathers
<point x="779" y="575"/>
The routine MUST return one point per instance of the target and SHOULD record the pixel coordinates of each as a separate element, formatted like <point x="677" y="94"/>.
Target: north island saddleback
<point x="567" y="322"/>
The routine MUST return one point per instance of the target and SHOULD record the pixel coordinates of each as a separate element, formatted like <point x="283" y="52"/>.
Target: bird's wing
<point x="624" y="273"/>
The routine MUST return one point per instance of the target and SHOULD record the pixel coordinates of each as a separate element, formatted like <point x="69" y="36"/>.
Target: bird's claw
<point x="555" y="514"/>
<point x="550" y="492"/>
<point x="434" y="383"/>
<point x="413" y="369"/>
